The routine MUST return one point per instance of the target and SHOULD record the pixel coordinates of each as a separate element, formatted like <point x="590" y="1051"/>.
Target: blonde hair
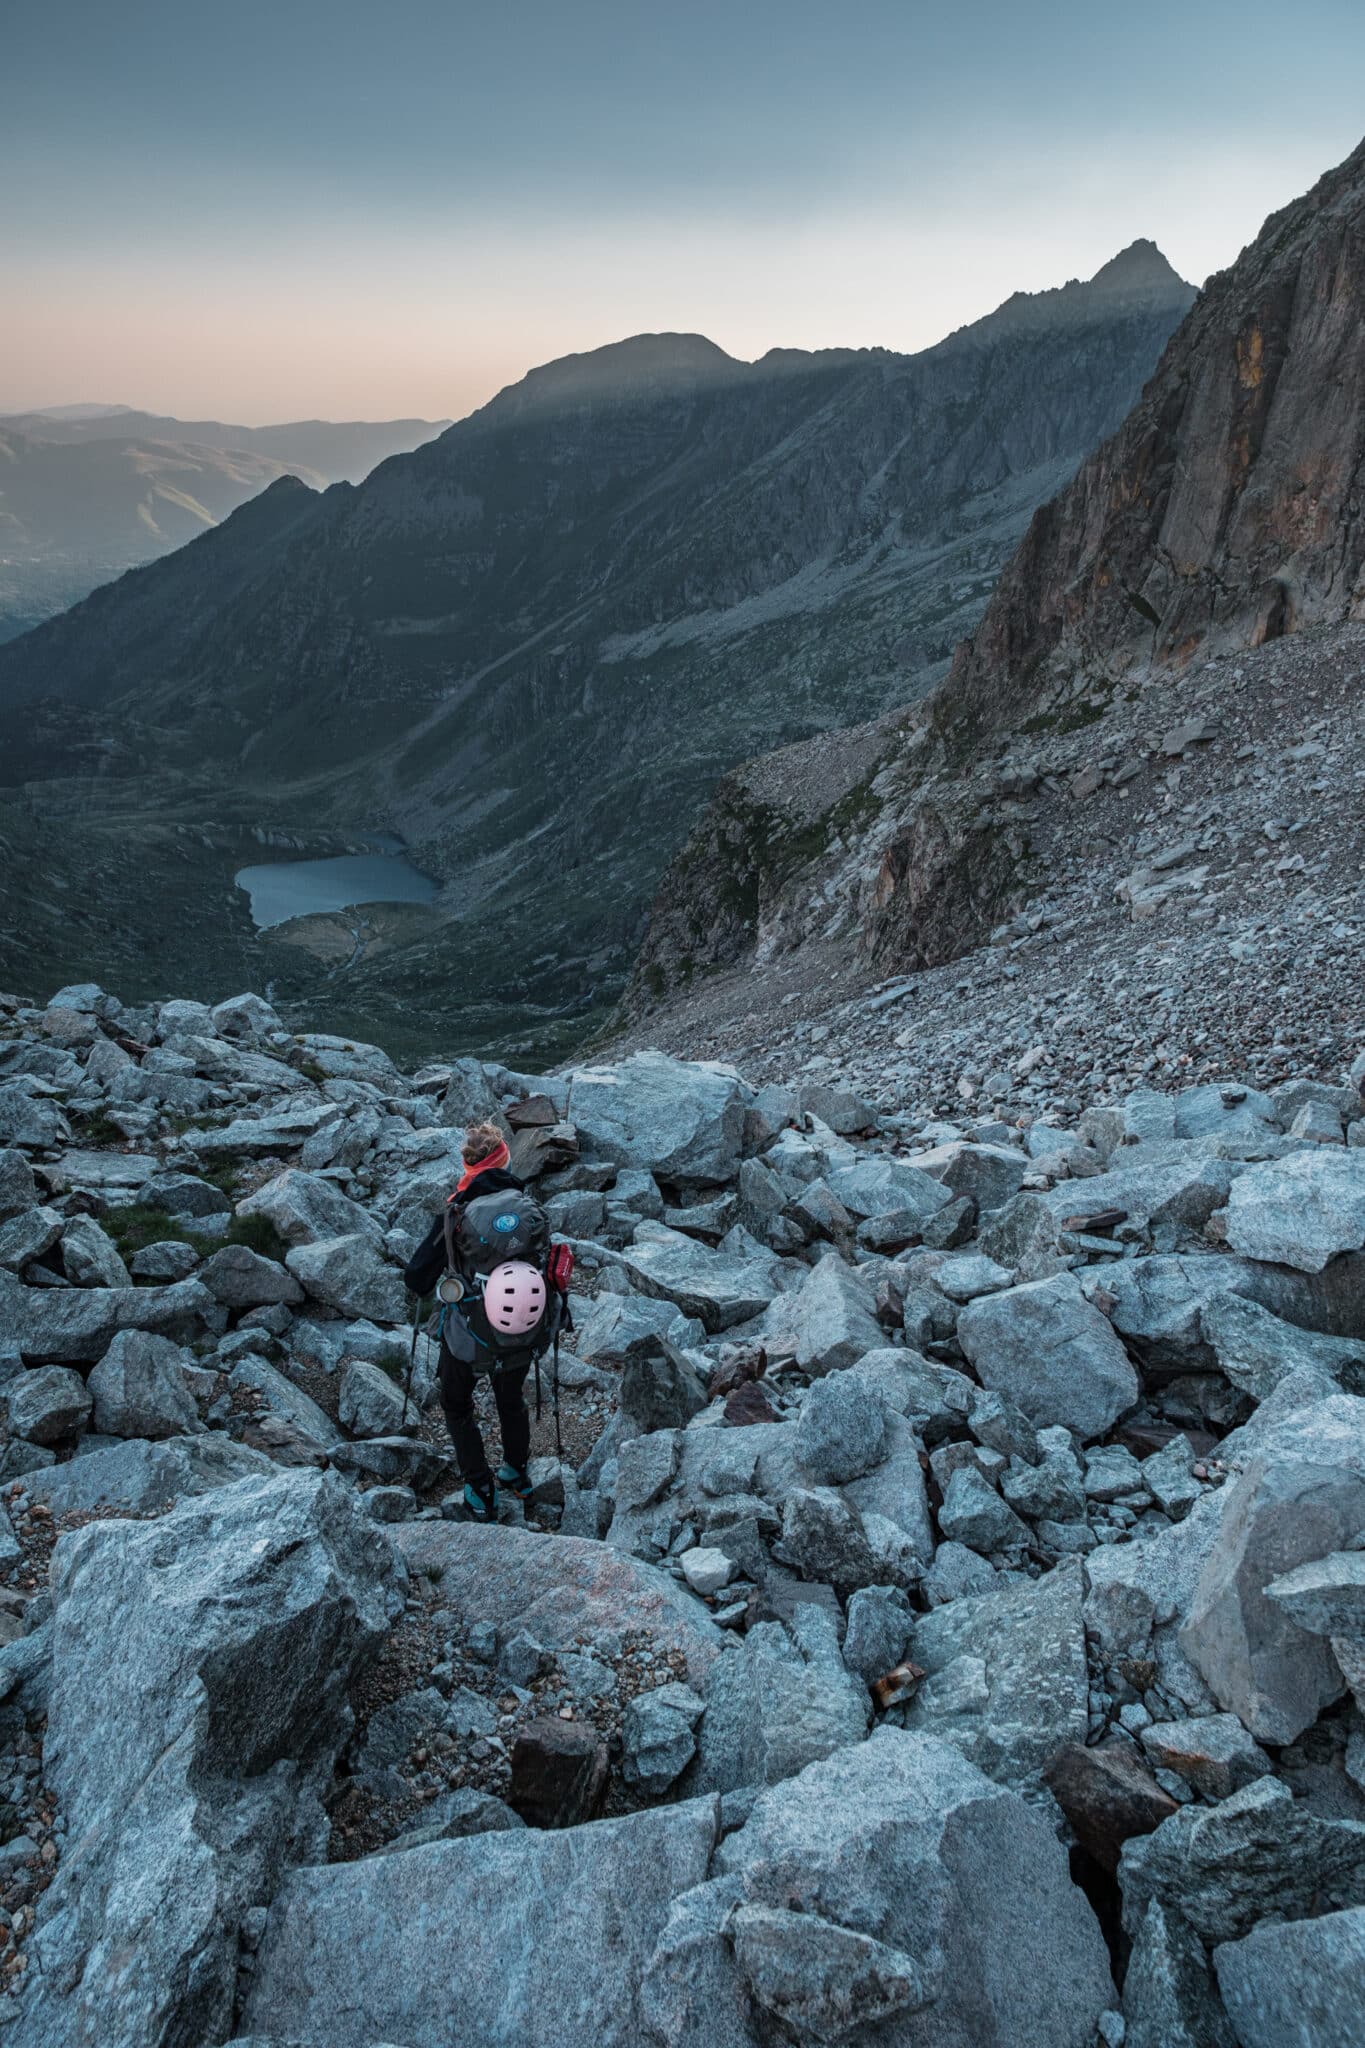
<point x="479" y="1141"/>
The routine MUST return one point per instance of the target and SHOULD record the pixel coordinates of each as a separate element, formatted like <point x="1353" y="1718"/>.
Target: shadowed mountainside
<point x="531" y="646"/>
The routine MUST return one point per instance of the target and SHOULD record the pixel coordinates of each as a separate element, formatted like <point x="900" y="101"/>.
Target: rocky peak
<point x="1140" y="267"/>
<point x="1225" y="512"/>
<point x="1139" y="280"/>
<point x="1223" y="515"/>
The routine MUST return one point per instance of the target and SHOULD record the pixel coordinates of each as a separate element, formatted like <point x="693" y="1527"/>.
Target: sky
<point x="321" y="208"/>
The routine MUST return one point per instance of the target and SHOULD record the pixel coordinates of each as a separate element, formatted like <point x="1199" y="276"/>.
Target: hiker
<point x="502" y="1288"/>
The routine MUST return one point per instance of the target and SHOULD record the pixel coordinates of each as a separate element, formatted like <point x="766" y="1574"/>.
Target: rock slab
<point x="532" y="1937"/>
<point x="200" y="1669"/>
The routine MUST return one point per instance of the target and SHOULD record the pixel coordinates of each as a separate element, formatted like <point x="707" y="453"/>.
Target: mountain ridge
<point x="1223" y="515"/>
<point x="661" y="580"/>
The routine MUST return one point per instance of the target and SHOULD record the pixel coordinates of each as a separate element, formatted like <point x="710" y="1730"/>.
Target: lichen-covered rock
<point x="658" y="1738"/>
<point x="371" y="1405"/>
<point x="611" y="1329"/>
<point x="46" y="1404"/>
<point x="1257" y="1350"/>
<point x="1213" y="1753"/>
<point x="1259" y="1853"/>
<point x="1028" y="1637"/>
<point x="717" y="1290"/>
<point x="1052" y="1353"/>
<point x="827" y="1323"/>
<point x="683" y="1120"/>
<point x="241" y="1278"/>
<point x="140" y="1390"/>
<point x="1300" y="1211"/>
<point x="558" y="1591"/>
<point x="775" y="1702"/>
<point x="283" y="1397"/>
<point x="1300" y="1986"/>
<point x="18" y="1189"/>
<point x="200" y="1667"/>
<point x="90" y="1258"/>
<point x="142" y="1476"/>
<point x="880" y="1622"/>
<point x="881" y="1894"/>
<point x="55" y="1325"/>
<point x="347" y="1274"/>
<point x="842" y="1431"/>
<point x="304" y="1208"/>
<point x="1292" y="1504"/>
<point x="514" y="1926"/>
<point x="1158" y="1306"/>
<point x="1169" y="1996"/>
<point x="1325" y="1597"/>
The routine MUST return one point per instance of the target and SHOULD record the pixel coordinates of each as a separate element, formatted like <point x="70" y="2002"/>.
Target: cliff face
<point x="1225" y="512"/>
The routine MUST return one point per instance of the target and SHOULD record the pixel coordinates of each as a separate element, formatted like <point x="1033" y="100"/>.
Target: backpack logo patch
<point x="508" y="1221"/>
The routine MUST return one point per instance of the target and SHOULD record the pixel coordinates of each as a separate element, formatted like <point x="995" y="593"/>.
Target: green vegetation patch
<point x="137" y="1225"/>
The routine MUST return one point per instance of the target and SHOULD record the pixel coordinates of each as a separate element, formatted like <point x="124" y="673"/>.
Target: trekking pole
<point x="412" y="1353"/>
<point x="559" y="1441"/>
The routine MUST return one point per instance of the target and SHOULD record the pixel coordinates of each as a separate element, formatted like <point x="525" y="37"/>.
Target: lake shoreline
<point x="280" y="891"/>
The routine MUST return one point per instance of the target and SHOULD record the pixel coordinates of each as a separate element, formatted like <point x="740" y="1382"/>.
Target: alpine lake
<point x="281" y="890"/>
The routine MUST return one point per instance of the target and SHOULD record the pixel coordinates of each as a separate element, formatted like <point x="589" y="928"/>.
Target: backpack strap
<point x="448" y="1221"/>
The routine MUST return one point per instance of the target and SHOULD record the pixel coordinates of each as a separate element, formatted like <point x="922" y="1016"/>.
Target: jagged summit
<point x="1139" y="278"/>
<point x="1224" y="515"/>
<point x="1139" y="267"/>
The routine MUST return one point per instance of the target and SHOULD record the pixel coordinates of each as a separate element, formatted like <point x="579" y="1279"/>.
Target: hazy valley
<point x="87" y="492"/>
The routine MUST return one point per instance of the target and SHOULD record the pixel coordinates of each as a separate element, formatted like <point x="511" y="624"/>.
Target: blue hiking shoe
<point x="516" y="1480"/>
<point x="478" y="1506"/>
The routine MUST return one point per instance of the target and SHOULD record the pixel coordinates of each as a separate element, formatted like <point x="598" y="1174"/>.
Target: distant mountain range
<point x="530" y="647"/>
<point x="89" y="491"/>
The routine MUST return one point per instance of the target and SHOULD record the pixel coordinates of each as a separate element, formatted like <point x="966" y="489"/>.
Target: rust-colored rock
<point x="1097" y="1223"/>
<point x="1143" y="1439"/>
<point x="748" y="1403"/>
<point x="1107" y="1794"/>
<point x="735" y="1364"/>
<point x="559" y="1773"/>
<point x="895" y="1687"/>
<point x="890" y="1308"/>
<point x="538" y="1148"/>
<point x="535" y="1113"/>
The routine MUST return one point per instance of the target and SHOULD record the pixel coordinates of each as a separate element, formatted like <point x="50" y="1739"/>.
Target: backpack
<point x="492" y="1229"/>
<point x="480" y="1236"/>
<point x="487" y="1233"/>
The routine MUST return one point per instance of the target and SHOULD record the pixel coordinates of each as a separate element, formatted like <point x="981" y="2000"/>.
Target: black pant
<point x="457" y="1379"/>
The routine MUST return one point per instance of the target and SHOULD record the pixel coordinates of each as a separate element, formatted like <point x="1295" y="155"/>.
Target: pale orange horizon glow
<point x="376" y="319"/>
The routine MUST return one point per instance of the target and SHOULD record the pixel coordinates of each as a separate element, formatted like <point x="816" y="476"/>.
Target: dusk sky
<point x="287" y="208"/>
